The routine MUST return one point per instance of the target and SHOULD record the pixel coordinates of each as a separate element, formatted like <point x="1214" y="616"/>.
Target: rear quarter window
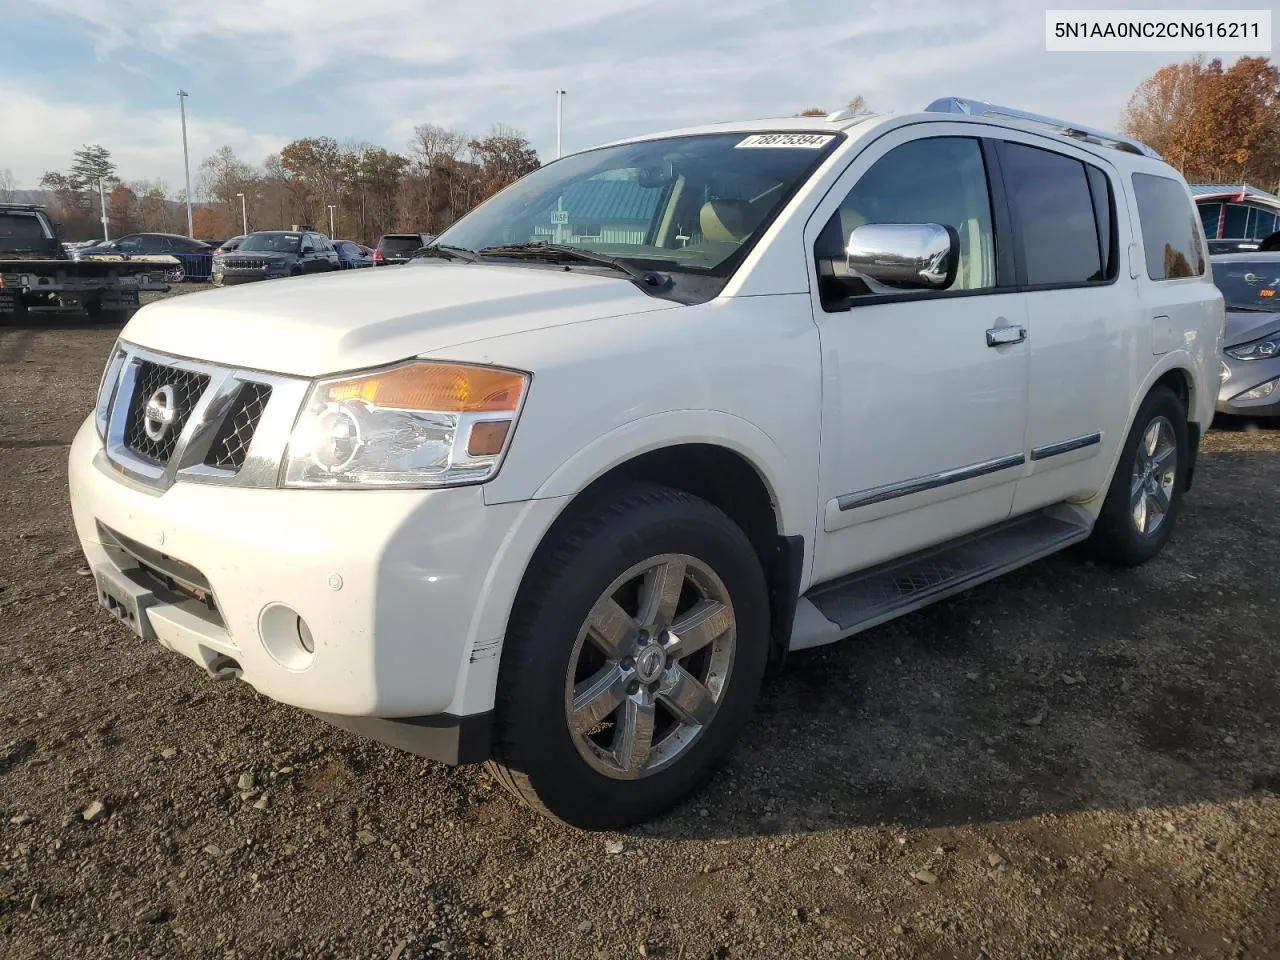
<point x="1170" y="228"/>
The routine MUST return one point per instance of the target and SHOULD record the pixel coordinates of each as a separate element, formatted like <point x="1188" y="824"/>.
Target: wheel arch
<point x="730" y="481"/>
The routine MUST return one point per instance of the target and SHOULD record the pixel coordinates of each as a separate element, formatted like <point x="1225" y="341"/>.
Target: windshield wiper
<point x="559" y="253"/>
<point x="447" y="252"/>
<point x="1249" y="308"/>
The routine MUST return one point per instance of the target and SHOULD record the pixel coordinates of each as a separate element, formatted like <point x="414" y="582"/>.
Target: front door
<point x="924" y="393"/>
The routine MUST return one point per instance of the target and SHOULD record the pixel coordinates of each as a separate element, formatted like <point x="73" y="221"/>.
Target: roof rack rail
<point x="978" y="108"/>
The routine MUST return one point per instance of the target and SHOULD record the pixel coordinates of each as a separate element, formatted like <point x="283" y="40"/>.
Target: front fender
<point x="674" y="428"/>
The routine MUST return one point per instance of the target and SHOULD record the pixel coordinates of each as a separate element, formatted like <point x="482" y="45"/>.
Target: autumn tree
<point x="1211" y="122"/>
<point x="858" y="104"/>
<point x="504" y="156"/>
<point x="122" y="209"/>
<point x="315" y="171"/>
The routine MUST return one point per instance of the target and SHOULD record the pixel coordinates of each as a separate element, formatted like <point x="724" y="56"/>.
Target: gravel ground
<point x="1072" y="762"/>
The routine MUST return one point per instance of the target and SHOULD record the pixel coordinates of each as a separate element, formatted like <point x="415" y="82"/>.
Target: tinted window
<point x="1262" y="223"/>
<point x="1053" y="215"/>
<point x="1236" y="224"/>
<point x="934" y="180"/>
<point x="1209" y="213"/>
<point x="399" y="244"/>
<point x="1170" y="236"/>
<point x="1104" y="215"/>
<point x="20" y="226"/>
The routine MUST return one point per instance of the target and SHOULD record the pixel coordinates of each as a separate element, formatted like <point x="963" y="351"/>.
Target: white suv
<point x="555" y="495"/>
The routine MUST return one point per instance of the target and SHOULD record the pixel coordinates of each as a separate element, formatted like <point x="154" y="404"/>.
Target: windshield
<point x="1253" y="284"/>
<point x="400" y="244"/>
<point x="683" y="204"/>
<point x="271" y="243"/>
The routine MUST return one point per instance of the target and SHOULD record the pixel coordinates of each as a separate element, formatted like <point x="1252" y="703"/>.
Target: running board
<point x="865" y="599"/>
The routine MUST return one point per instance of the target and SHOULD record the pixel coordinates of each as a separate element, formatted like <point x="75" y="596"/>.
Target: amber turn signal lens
<point x="439" y="387"/>
<point x="487" y="438"/>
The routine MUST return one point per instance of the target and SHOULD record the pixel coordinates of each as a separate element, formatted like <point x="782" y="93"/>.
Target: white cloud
<point x="630" y="66"/>
<point x="40" y="135"/>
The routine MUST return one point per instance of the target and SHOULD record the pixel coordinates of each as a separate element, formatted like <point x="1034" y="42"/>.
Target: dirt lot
<point x="1074" y="762"/>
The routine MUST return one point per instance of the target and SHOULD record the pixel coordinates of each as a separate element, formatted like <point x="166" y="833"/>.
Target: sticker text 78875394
<point x="805" y="141"/>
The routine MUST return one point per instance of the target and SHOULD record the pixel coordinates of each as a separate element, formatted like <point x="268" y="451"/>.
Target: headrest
<point x="724" y="220"/>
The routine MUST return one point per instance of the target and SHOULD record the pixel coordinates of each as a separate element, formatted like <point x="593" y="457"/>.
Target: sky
<point x="263" y="72"/>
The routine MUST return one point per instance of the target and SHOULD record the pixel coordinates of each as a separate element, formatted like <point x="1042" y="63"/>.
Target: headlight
<point x="421" y="424"/>
<point x="1268" y="346"/>
<point x="107" y="389"/>
<point x="1260" y="392"/>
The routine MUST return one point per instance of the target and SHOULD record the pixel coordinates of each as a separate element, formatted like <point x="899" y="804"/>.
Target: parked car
<point x="1250" y="284"/>
<point x="228" y="246"/>
<point x="194" y="256"/>
<point x="1234" y="211"/>
<point x="557" y="496"/>
<point x="352" y="254"/>
<point x="270" y="254"/>
<point x="397" y="248"/>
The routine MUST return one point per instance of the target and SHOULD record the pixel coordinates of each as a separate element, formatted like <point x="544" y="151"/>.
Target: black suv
<point x="398" y="247"/>
<point x="275" y="253"/>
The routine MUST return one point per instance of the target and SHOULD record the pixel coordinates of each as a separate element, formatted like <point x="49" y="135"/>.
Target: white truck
<point x="556" y="494"/>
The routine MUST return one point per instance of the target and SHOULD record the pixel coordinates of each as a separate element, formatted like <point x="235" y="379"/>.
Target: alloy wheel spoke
<point x="685" y="696"/>
<point x="1140" y="513"/>
<point x="611" y="629"/>
<point x="1161" y="498"/>
<point x="1151" y="439"/>
<point x="597" y="697"/>
<point x="661" y="593"/>
<point x="1163" y="457"/>
<point x="703" y="623"/>
<point x="633" y="737"/>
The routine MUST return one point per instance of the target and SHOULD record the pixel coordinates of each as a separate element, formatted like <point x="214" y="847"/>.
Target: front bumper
<point x="1244" y="376"/>
<point x="405" y="592"/>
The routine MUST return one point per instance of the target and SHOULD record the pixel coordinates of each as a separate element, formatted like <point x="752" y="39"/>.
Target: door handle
<point x="1003" y="336"/>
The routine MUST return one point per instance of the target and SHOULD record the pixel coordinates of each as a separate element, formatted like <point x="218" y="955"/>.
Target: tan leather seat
<point x="725" y="221"/>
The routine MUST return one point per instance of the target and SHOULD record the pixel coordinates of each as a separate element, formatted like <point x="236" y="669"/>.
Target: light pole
<point x="102" y="199"/>
<point x="332" y="207"/>
<point x="559" y="119"/>
<point x="244" y="213"/>
<point x="186" y="162"/>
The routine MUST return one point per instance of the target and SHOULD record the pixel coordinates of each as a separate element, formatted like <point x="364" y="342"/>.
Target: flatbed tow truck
<point x="37" y="277"/>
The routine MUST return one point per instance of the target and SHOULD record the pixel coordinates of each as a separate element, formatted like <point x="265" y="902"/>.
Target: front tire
<point x="1145" y="495"/>
<point x="636" y="649"/>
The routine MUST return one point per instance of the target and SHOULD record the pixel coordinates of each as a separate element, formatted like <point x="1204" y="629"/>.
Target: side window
<point x="933" y="180"/>
<point x="129" y="244"/>
<point x="1236" y="225"/>
<point x="1262" y="223"/>
<point x="1170" y="236"/>
<point x="1209" y="213"/>
<point x="1055" y="217"/>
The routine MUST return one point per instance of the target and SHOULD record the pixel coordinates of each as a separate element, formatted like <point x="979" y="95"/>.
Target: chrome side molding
<point x="905" y="488"/>
<point x="1065" y="446"/>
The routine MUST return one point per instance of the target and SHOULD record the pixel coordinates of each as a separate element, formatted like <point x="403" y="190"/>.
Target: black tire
<point x="1116" y="538"/>
<point x="534" y="751"/>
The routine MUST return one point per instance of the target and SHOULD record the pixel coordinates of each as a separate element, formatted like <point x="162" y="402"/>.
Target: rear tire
<point x="1145" y="495"/>
<point x="604" y="716"/>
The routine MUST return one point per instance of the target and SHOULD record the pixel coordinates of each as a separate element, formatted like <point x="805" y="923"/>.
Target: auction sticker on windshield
<point x="808" y="141"/>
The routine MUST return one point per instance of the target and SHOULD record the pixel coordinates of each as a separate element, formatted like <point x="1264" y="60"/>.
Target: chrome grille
<point x="151" y="377"/>
<point x="231" y="445"/>
<point x="239" y="263"/>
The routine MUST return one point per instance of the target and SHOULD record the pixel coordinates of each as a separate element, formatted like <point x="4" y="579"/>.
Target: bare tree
<point x="7" y="185"/>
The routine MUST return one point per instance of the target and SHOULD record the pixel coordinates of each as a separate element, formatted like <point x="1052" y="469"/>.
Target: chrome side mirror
<point x="908" y="256"/>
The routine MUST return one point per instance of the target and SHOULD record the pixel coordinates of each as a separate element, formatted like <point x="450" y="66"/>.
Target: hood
<point x="349" y="319"/>
<point x="1246" y="325"/>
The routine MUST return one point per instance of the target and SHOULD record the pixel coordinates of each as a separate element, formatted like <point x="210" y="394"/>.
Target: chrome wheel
<point x="175" y="274"/>
<point x="650" y="666"/>
<point x="1155" y="467"/>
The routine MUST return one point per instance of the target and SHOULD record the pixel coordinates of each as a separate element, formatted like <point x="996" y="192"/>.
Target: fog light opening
<point x="304" y="636"/>
<point x="286" y="636"/>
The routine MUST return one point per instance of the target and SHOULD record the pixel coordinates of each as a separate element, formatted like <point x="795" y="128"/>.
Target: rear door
<point x="1083" y="319"/>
